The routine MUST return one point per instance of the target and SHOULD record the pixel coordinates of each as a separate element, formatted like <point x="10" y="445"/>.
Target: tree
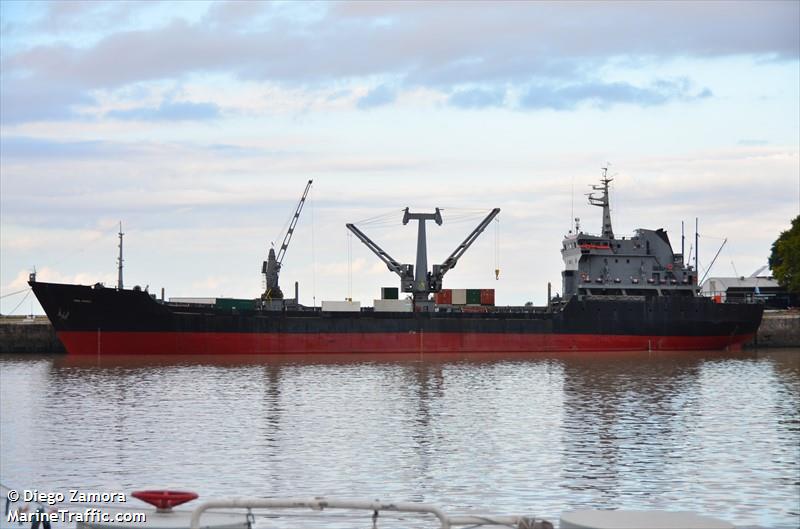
<point x="784" y="260"/>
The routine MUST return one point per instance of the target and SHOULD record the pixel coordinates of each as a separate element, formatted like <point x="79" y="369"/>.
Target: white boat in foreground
<point x="258" y="513"/>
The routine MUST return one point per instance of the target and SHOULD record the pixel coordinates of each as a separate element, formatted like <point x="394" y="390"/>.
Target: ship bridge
<point x="641" y="265"/>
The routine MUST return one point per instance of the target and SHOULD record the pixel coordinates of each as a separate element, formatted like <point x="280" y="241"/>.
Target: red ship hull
<point x="205" y="343"/>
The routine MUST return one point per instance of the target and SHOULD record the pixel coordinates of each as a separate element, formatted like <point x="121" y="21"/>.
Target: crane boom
<point x="271" y="268"/>
<point x="290" y="231"/>
<point x="405" y="271"/>
<point x="440" y="270"/>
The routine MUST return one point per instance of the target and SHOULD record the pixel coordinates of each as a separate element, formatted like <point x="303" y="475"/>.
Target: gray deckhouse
<point x="642" y="265"/>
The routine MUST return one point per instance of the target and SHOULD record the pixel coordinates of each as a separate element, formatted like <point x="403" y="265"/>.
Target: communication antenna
<point x="119" y="259"/>
<point x="683" y="243"/>
<point x="572" y="203"/>
<point x="696" y="247"/>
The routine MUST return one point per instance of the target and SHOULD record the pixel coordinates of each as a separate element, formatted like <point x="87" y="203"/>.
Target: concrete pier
<point x="25" y="334"/>
<point x="779" y="328"/>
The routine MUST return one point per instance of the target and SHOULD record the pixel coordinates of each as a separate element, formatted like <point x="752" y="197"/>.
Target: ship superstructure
<point x="604" y="265"/>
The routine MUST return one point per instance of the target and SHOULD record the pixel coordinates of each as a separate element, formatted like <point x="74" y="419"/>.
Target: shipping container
<point x="487" y="296"/>
<point x="389" y="293"/>
<point x="238" y="304"/>
<point x="194" y="301"/>
<point x="393" y="305"/>
<point x="445" y="297"/>
<point x="473" y="296"/>
<point x="341" y="306"/>
<point x="459" y="296"/>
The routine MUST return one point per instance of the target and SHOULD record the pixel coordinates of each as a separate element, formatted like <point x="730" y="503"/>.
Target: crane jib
<point x="288" y="237"/>
<point x="272" y="266"/>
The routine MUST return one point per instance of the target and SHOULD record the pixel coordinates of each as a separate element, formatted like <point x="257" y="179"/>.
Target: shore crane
<point x="421" y="282"/>
<point x="271" y="268"/>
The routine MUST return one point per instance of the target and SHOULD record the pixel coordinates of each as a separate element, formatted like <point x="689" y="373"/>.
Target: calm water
<point x="715" y="433"/>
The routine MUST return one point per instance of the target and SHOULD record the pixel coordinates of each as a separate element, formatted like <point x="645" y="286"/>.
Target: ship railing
<point x="374" y="507"/>
<point x="722" y="296"/>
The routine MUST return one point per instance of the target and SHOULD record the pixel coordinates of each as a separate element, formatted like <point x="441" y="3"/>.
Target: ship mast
<point x="119" y="259"/>
<point x="602" y="201"/>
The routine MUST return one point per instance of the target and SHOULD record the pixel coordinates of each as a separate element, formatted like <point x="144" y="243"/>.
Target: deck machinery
<point x="421" y="282"/>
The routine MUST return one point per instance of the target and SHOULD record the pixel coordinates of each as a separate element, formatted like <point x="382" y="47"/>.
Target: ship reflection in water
<point x="715" y="433"/>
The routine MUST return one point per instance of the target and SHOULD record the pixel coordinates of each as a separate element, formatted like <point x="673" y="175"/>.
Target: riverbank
<point x="25" y="334"/>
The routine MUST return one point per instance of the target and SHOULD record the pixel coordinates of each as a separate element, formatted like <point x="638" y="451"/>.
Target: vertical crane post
<point x="421" y="289"/>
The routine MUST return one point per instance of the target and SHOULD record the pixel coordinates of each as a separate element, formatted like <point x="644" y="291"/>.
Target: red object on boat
<point x="444" y="297"/>
<point x="164" y="499"/>
<point x="487" y="296"/>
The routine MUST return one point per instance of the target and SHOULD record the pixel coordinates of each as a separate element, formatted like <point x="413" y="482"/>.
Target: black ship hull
<point x="105" y="321"/>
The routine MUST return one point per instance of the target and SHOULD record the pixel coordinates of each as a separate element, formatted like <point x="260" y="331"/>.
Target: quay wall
<point x="779" y="328"/>
<point x="23" y="335"/>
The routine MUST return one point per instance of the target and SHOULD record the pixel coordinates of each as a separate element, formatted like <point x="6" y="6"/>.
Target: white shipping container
<point x="341" y="306"/>
<point x="459" y="296"/>
<point x="393" y="305"/>
<point x="195" y="301"/>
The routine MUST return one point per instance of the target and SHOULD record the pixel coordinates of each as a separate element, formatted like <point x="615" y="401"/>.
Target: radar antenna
<point x="603" y="202"/>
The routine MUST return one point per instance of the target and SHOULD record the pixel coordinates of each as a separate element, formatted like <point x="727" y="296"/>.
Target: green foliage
<point x="784" y="259"/>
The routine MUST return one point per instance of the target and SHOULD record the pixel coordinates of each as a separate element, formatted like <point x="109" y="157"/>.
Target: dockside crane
<point x="271" y="268"/>
<point x="421" y="282"/>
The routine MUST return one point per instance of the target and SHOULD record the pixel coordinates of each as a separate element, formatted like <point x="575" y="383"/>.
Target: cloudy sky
<point x="198" y="124"/>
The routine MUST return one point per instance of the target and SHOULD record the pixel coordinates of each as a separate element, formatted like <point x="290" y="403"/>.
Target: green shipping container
<point x="238" y="304"/>
<point x="473" y="296"/>
<point x="389" y="293"/>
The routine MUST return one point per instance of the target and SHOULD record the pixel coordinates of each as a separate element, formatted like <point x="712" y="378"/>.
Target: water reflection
<point x="624" y="416"/>
<point x="712" y="432"/>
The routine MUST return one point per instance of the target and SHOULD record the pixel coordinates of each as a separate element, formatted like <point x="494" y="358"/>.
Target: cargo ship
<point x="627" y="293"/>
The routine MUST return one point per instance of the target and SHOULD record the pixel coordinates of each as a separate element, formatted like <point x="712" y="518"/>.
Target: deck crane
<point x="271" y="268"/>
<point x="423" y="282"/>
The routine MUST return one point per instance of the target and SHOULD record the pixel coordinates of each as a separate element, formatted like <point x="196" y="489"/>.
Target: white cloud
<point x="201" y="199"/>
<point x="440" y="47"/>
